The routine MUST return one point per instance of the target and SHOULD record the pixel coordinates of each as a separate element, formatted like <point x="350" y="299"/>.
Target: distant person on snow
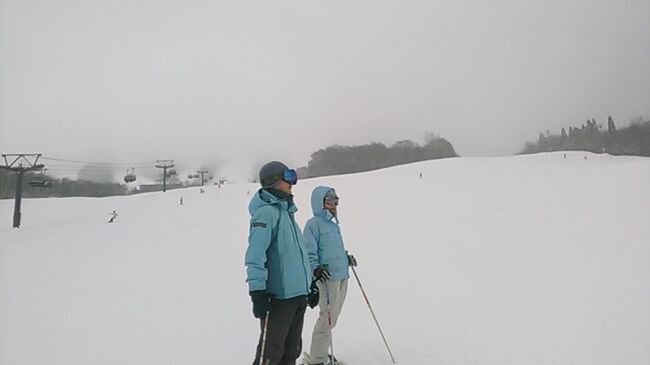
<point x="277" y="267"/>
<point x="330" y="263"/>
<point x="113" y="215"/>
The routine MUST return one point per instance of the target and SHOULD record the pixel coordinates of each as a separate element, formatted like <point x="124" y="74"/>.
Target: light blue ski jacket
<point x="276" y="260"/>
<point x="323" y="238"/>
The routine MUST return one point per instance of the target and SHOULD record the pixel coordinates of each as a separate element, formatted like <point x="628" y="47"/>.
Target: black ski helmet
<point x="271" y="173"/>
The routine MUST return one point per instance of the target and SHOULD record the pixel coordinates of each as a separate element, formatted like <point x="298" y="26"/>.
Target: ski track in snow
<point x="511" y="260"/>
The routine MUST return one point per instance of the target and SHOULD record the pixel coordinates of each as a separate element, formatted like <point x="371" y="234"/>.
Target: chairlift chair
<point x="41" y="180"/>
<point x="41" y="184"/>
<point x="130" y="176"/>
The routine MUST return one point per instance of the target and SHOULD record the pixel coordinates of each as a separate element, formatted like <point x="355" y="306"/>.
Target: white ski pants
<point x="320" y="340"/>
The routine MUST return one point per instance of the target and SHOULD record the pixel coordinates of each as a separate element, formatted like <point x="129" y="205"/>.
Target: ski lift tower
<point x="202" y="172"/>
<point x="20" y="163"/>
<point x="164" y="164"/>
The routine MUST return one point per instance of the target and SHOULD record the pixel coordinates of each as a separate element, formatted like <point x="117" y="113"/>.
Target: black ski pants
<point x="284" y="332"/>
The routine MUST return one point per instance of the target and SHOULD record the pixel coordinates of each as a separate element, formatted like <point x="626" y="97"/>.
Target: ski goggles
<point x="331" y="198"/>
<point x="290" y="176"/>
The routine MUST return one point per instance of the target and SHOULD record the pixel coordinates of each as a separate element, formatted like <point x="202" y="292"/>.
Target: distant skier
<point x="420" y="175"/>
<point x="278" y="273"/>
<point x="330" y="263"/>
<point x="181" y="201"/>
<point x="113" y="215"/>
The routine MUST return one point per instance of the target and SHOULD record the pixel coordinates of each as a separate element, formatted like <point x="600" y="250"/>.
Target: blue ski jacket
<point x="323" y="238"/>
<point x="276" y="260"/>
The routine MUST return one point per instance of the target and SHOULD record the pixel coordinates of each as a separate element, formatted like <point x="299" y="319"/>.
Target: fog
<point x="239" y="82"/>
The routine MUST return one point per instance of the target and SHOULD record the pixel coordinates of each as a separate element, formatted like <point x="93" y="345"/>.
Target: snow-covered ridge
<point x="513" y="260"/>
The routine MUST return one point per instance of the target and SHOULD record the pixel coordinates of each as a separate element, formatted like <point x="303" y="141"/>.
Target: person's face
<point x="284" y="186"/>
<point x="331" y="207"/>
<point x="331" y="203"/>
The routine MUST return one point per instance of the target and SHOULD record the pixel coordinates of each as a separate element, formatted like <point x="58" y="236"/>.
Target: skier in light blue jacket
<point x="330" y="264"/>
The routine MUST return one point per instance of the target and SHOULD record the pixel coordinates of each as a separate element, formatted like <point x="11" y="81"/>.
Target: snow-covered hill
<point x="515" y="260"/>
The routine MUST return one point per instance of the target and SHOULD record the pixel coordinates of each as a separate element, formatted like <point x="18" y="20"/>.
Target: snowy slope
<point x="514" y="260"/>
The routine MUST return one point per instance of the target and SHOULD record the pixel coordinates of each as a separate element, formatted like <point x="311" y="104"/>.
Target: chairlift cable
<point x="107" y="164"/>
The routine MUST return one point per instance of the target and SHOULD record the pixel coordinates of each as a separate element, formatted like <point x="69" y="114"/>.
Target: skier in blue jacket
<point x="278" y="273"/>
<point x="330" y="263"/>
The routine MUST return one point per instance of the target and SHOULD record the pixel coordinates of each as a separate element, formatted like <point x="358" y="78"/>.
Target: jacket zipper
<point x="302" y="253"/>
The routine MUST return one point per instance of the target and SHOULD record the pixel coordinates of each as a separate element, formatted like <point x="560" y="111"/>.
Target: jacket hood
<point x="317" y="197"/>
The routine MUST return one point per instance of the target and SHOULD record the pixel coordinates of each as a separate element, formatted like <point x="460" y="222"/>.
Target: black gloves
<point x="261" y="303"/>
<point x="313" y="296"/>
<point x="321" y="274"/>
<point x="352" y="261"/>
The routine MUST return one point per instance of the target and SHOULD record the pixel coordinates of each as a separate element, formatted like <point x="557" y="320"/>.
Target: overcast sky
<point x="194" y="80"/>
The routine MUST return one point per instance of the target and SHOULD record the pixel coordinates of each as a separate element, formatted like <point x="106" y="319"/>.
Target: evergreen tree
<point x="611" y="127"/>
<point x="563" y="139"/>
<point x="541" y="141"/>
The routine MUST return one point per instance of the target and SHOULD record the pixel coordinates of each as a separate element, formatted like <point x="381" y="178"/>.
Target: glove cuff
<point x="258" y="295"/>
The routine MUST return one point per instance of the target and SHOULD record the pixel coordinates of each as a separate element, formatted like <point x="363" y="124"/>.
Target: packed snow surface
<point x="512" y="260"/>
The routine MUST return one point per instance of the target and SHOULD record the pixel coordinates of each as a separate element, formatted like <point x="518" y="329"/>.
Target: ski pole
<point x="373" y="314"/>
<point x="329" y="319"/>
<point x="266" y="327"/>
<point x="329" y="315"/>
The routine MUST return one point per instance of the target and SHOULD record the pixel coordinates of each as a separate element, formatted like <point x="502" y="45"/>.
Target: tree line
<point x="91" y="182"/>
<point x="631" y="140"/>
<point x="338" y="159"/>
<point x="60" y="187"/>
